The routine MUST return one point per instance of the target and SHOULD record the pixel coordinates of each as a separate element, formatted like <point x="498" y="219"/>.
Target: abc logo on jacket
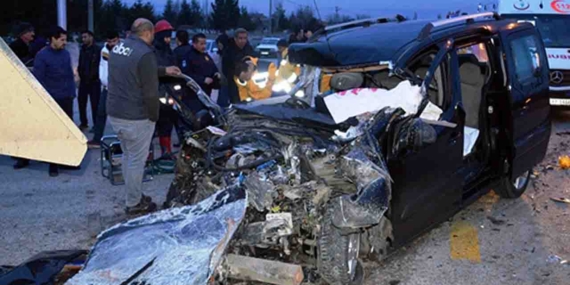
<point x="121" y="49"/>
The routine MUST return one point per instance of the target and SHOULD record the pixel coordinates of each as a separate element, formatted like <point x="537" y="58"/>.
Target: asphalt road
<point x="494" y="241"/>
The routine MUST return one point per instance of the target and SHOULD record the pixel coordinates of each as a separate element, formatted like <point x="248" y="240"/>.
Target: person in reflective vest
<point x="287" y="73"/>
<point x="254" y="85"/>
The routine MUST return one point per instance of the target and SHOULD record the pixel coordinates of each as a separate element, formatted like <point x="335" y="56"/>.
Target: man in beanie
<point x="165" y="57"/>
<point x="21" y="46"/>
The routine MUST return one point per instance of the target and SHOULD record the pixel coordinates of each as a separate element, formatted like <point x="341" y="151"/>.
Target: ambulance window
<point x="526" y="57"/>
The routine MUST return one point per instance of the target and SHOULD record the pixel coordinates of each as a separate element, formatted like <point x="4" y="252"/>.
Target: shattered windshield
<point x="554" y="29"/>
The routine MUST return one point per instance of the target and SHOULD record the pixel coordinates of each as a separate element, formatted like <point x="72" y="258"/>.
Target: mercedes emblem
<point x="556" y="77"/>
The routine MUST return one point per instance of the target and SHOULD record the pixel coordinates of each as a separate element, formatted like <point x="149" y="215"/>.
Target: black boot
<point x="21" y="163"/>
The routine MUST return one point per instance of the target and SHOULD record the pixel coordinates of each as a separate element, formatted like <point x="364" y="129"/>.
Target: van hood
<point x="558" y="58"/>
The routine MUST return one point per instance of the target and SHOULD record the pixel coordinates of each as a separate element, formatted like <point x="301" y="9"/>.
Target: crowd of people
<point x="124" y="79"/>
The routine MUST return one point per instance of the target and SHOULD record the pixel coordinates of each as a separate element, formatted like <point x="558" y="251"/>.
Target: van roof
<point x="376" y="43"/>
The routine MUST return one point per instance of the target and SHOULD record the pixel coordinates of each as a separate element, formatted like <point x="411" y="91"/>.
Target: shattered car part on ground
<point x="43" y="268"/>
<point x="176" y="246"/>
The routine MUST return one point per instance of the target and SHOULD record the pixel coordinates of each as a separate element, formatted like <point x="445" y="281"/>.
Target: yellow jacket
<point x="287" y="69"/>
<point x="252" y="90"/>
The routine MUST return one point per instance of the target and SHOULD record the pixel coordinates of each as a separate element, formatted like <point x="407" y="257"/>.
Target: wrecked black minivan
<point x="402" y="124"/>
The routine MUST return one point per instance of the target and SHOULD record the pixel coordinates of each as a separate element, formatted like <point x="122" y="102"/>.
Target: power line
<point x="295" y="3"/>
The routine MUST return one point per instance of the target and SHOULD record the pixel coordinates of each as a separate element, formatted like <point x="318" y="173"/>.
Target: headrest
<point x="347" y="80"/>
<point x="471" y="58"/>
<point x="468" y="57"/>
<point x="471" y="74"/>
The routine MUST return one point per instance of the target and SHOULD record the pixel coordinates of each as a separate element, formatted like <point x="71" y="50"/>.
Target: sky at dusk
<point x="424" y="8"/>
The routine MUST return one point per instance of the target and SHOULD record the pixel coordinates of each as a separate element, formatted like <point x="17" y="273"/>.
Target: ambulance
<point x="552" y="18"/>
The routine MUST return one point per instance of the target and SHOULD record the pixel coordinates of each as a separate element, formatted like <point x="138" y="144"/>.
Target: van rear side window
<point x="526" y="57"/>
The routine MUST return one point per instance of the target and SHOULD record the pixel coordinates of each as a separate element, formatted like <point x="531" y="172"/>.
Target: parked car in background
<point x="267" y="47"/>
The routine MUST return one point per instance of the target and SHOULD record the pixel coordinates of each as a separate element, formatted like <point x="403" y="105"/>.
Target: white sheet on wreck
<point x="346" y="104"/>
<point x="177" y="246"/>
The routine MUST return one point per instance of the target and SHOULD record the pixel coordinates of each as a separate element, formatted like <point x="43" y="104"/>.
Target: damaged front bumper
<point x="260" y="193"/>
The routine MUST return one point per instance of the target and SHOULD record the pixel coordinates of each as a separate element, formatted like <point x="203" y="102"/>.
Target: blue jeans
<point x="101" y="119"/>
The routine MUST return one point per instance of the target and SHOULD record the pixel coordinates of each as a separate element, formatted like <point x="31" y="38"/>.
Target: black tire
<point x="333" y="255"/>
<point x="513" y="189"/>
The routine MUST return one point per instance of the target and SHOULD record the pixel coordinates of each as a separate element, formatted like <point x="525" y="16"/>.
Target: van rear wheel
<point x="514" y="188"/>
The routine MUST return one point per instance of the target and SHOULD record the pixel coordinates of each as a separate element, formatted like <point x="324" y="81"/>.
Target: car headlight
<point x="177" y="87"/>
<point x="162" y="100"/>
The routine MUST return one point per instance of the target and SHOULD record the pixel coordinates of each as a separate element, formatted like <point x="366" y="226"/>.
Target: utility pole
<point x="62" y="14"/>
<point x="90" y="20"/>
<point x="270" y="16"/>
<point x="336" y="15"/>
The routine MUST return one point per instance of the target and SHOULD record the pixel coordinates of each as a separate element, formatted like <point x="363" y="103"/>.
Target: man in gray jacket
<point x="133" y="104"/>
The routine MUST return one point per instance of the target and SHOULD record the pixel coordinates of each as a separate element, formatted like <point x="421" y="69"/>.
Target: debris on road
<point x="42" y="268"/>
<point x="556" y="259"/>
<point x="564" y="162"/>
<point x="176" y="246"/>
<point x="261" y="270"/>
<point x="496" y="221"/>
<point x="560" y="200"/>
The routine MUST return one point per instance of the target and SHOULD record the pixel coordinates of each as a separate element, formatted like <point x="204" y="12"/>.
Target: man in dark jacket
<point x="183" y="47"/>
<point x="238" y="48"/>
<point x="133" y="106"/>
<point x="52" y="68"/>
<point x="101" y="121"/>
<point x="165" y="57"/>
<point x="200" y="66"/>
<point x="89" y="86"/>
<point x="21" y="46"/>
